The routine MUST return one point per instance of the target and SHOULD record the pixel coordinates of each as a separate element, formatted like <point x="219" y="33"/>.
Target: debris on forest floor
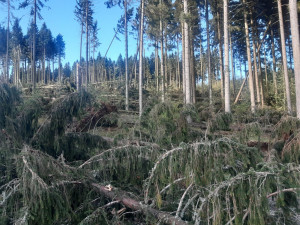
<point x="93" y="119"/>
<point x="157" y="169"/>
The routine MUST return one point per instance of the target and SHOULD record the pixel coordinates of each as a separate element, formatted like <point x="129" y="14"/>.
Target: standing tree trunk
<point x="87" y="41"/>
<point x="296" y="50"/>
<point x="232" y="63"/>
<point x="7" y="41"/>
<point x="251" y="87"/>
<point x="141" y="60"/>
<point x="226" y="66"/>
<point x="284" y="59"/>
<point x="186" y="49"/>
<point x="126" y="58"/>
<point x="33" y="68"/>
<point x="156" y="66"/>
<point x="162" y="71"/>
<point x="274" y="63"/>
<point x="221" y="54"/>
<point x="255" y="62"/>
<point x="208" y="53"/>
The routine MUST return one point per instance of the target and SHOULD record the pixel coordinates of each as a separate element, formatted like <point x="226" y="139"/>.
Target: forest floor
<point x="80" y="158"/>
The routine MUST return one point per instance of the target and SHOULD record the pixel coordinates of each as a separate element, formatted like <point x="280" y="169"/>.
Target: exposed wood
<point x="122" y="197"/>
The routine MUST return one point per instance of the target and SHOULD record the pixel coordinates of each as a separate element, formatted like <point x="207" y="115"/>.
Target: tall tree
<point x="251" y="87"/>
<point x="226" y="65"/>
<point x="60" y="51"/>
<point x="296" y="49"/>
<point x="36" y="6"/>
<point x="186" y="50"/>
<point x="284" y="60"/>
<point x="142" y="4"/>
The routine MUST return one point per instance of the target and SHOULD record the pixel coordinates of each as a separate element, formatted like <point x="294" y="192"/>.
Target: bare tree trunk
<point x="126" y="58"/>
<point x="141" y="60"/>
<point x="284" y="59"/>
<point x="178" y="66"/>
<point x="162" y="72"/>
<point x="87" y="42"/>
<point x="156" y="66"/>
<point x="274" y="63"/>
<point x="221" y="54"/>
<point x="226" y="66"/>
<point x="208" y="53"/>
<point x="7" y="41"/>
<point x="251" y="87"/>
<point x="232" y="63"/>
<point x="33" y="68"/>
<point x="183" y="63"/>
<point x="255" y="62"/>
<point x="296" y="49"/>
<point x="187" y="78"/>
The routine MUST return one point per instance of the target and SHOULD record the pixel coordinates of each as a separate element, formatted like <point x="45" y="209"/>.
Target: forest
<point x="198" y="123"/>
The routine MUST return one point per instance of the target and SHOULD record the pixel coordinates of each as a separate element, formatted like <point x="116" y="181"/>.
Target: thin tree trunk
<point x="284" y="59"/>
<point x="274" y="63"/>
<point x="87" y="41"/>
<point x="141" y="60"/>
<point x="156" y="66"/>
<point x="162" y="72"/>
<point x="126" y="58"/>
<point x="183" y="63"/>
<point x="7" y="41"/>
<point x="34" y="46"/>
<point x="251" y="87"/>
<point x="208" y="53"/>
<point x="255" y="63"/>
<point x="296" y="49"/>
<point x="221" y="54"/>
<point x="232" y="63"/>
<point x="188" y="99"/>
<point x="226" y="66"/>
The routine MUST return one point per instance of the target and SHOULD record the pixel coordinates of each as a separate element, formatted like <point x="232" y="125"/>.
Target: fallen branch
<point x="282" y="191"/>
<point x="135" y="205"/>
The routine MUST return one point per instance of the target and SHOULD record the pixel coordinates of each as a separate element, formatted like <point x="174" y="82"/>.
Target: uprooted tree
<point x="54" y="173"/>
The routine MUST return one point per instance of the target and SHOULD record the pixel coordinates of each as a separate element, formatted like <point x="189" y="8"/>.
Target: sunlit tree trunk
<point x="208" y="53"/>
<point x="274" y="63"/>
<point x="126" y="58"/>
<point x="296" y="49"/>
<point x="284" y="59"/>
<point x="232" y="63"/>
<point x="87" y="41"/>
<point x="141" y="60"/>
<point x="162" y="71"/>
<point x="186" y="49"/>
<point x="251" y="87"/>
<point x="7" y="41"/>
<point x="33" y="68"/>
<point x="226" y="65"/>
<point x="221" y="54"/>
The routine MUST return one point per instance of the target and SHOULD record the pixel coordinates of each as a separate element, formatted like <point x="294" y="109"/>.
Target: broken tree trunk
<point x="136" y="205"/>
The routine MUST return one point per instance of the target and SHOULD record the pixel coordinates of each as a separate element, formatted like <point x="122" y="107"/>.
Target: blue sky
<point x="59" y="17"/>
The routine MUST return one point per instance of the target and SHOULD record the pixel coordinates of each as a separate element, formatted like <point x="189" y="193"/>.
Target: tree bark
<point x="126" y="58"/>
<point x="188" y="99"/>
<point x="208" y="54"/>
<point x="133" y="204"/>
<point x="226" y="66"/>
<point x="34" y="46"/>
<point x="7" y="41"/>
<point x="162" y="70"/>
<point x="251" y="87"/>
<point x="87" y="42"/>
<point x="296" y="49"/>
<point x="221" y="54"/>
<point x="284" y="59"/>
<point x="274" y="63"/>
<point x="141" y="60"/>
